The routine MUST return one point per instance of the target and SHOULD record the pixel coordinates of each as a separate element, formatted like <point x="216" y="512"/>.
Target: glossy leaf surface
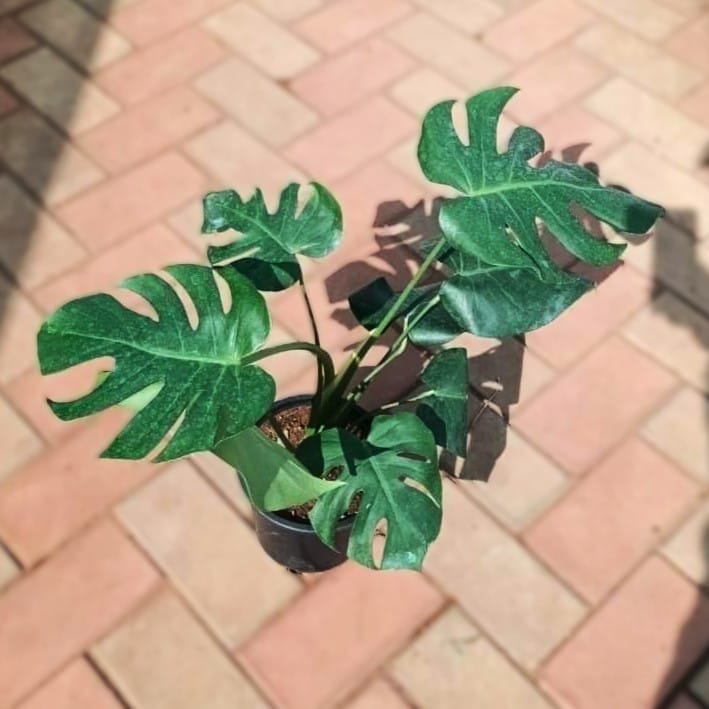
<point x="273" y="477"/>
<point x="498" y="301"/>
<point x="444" y="405"/>
<point x="268" y="244"/>
<point x="436" y="327"/>
<point x="208" y="390"/>
<point x="396" y="473"/>
<point x="503" y="195"/>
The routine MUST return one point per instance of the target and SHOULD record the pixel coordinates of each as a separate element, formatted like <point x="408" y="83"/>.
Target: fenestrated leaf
<point x="395" y="471"/>
<point x="273" y="477"/>
<point x="207" y="383"/>
<point x="504" y="195"/>
<point x="444" y="406"/>
<point x="140" y="399"/>
<point x="498" y="301"/>
<point x="268" y="244"/>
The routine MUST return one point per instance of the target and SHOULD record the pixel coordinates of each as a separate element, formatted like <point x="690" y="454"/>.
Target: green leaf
<point x="504" y="195"/>
<point x="444" y="406"/>
<point x="436" y="327"/>
<point x="373" y="301"/>
<point x="268" y="244"/>
<point x="139" y="400"/>
<point x="396" y="473"/>
<point x="208" y="389"/>
<point x="496" y="301"/>
<point x="274" y="479"/>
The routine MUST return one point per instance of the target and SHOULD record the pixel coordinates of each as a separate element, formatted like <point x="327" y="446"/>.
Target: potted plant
<point x="342" y="470"/>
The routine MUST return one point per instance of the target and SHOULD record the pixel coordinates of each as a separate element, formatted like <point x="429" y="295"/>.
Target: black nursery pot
<point x="295" y="545"/>
<point x="292" y="543"/>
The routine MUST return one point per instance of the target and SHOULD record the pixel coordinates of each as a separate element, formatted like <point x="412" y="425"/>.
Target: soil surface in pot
<point x="293" y="422"/>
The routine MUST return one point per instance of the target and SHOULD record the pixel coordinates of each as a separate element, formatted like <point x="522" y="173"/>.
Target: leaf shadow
<point x="31" y="156"/>
<point x="681" y="267"/>
<point x="495" y="369"/>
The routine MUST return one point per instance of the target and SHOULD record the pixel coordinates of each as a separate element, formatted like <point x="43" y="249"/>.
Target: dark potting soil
<point x="293" y="422"/>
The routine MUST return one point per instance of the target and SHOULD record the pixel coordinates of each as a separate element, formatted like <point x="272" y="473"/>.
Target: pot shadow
<point x="684" y="275"/>
<point x="28" y="146"/>
<point x="495" y="369"/>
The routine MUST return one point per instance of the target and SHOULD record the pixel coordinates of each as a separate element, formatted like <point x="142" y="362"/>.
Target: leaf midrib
<point x="164" y="354"/>
<point x="443" y="394"/>
<point x="531" y="184"/>
<point x="265" y="229"/>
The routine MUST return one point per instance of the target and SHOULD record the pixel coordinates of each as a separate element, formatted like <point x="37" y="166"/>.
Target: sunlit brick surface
<point x="576" y="578"/>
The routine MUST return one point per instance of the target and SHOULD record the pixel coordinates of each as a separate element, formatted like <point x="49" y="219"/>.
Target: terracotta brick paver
<point x="51" y="166"/>
<point x="161" y="66"/>
<point x="343" y="22"/>
<point x="687" y="548"/>
<point x="436" y="670"/>
<point x="637" y="645"/>
<point x="618" y="385"/>
<point x="500" y="584"/>
<point x="76" y="686"/>
<point x="256" y="37"/>
<point x="339" y="146"/>
<point x="161" y="657"/>
<point x="369" y="617"/>
<point x="378" y="695"/>
<point x="53" y="613"/>
<point x="65" y="487"/>
<point x="537" y="28"/>
<point x="75" y="32"/>
<point x="190" y="532"/>
<point x="576" y="577"/>
<point x="135" y="199"/>
<point x="58" y="90"/>
<point x="615" y="514"/>
<point x="52" y="249"/>
<point x="8" y="568"/>
<point x="13" y="39"/>
<point x="147" y="129"/>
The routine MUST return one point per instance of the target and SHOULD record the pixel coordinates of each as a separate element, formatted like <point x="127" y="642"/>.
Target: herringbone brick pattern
<point x="577" y="577"/>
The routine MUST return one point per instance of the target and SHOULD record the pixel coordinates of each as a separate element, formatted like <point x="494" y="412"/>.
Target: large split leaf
<point x="499" y="301"/>
<point x="207" y="385"/>
<point x="396" y="474"/>
<point x="486" y="300"/>
<point x="503" y="280"/>
<point x="503" y="195"/>
<point x="443" y="406"/>
<point x="273" y="477"/>
<point x="268" y="244"/>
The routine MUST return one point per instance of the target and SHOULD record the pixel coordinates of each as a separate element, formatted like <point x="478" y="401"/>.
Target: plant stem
<point x="338" y="386"/>
<point x="311" y="314"/>
<point x="323" y="357"/>
<point x="317" y="399"/>
<point x="397" y="348"/>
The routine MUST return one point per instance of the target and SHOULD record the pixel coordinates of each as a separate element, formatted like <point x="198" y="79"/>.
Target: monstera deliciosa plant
<point x="201" y="387"/>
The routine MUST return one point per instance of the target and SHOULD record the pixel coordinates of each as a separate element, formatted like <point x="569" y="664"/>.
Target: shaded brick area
<point x="577" y="577"/>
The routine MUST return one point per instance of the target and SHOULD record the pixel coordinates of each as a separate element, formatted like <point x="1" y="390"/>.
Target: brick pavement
<point x="577" y="577"/>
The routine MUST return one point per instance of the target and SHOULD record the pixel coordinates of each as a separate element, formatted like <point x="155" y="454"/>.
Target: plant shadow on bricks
<point x="495" y="369"/>
<point x="496" y="372"/>
<point x="19" y="224"/>
<point x="680" y="272"/>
